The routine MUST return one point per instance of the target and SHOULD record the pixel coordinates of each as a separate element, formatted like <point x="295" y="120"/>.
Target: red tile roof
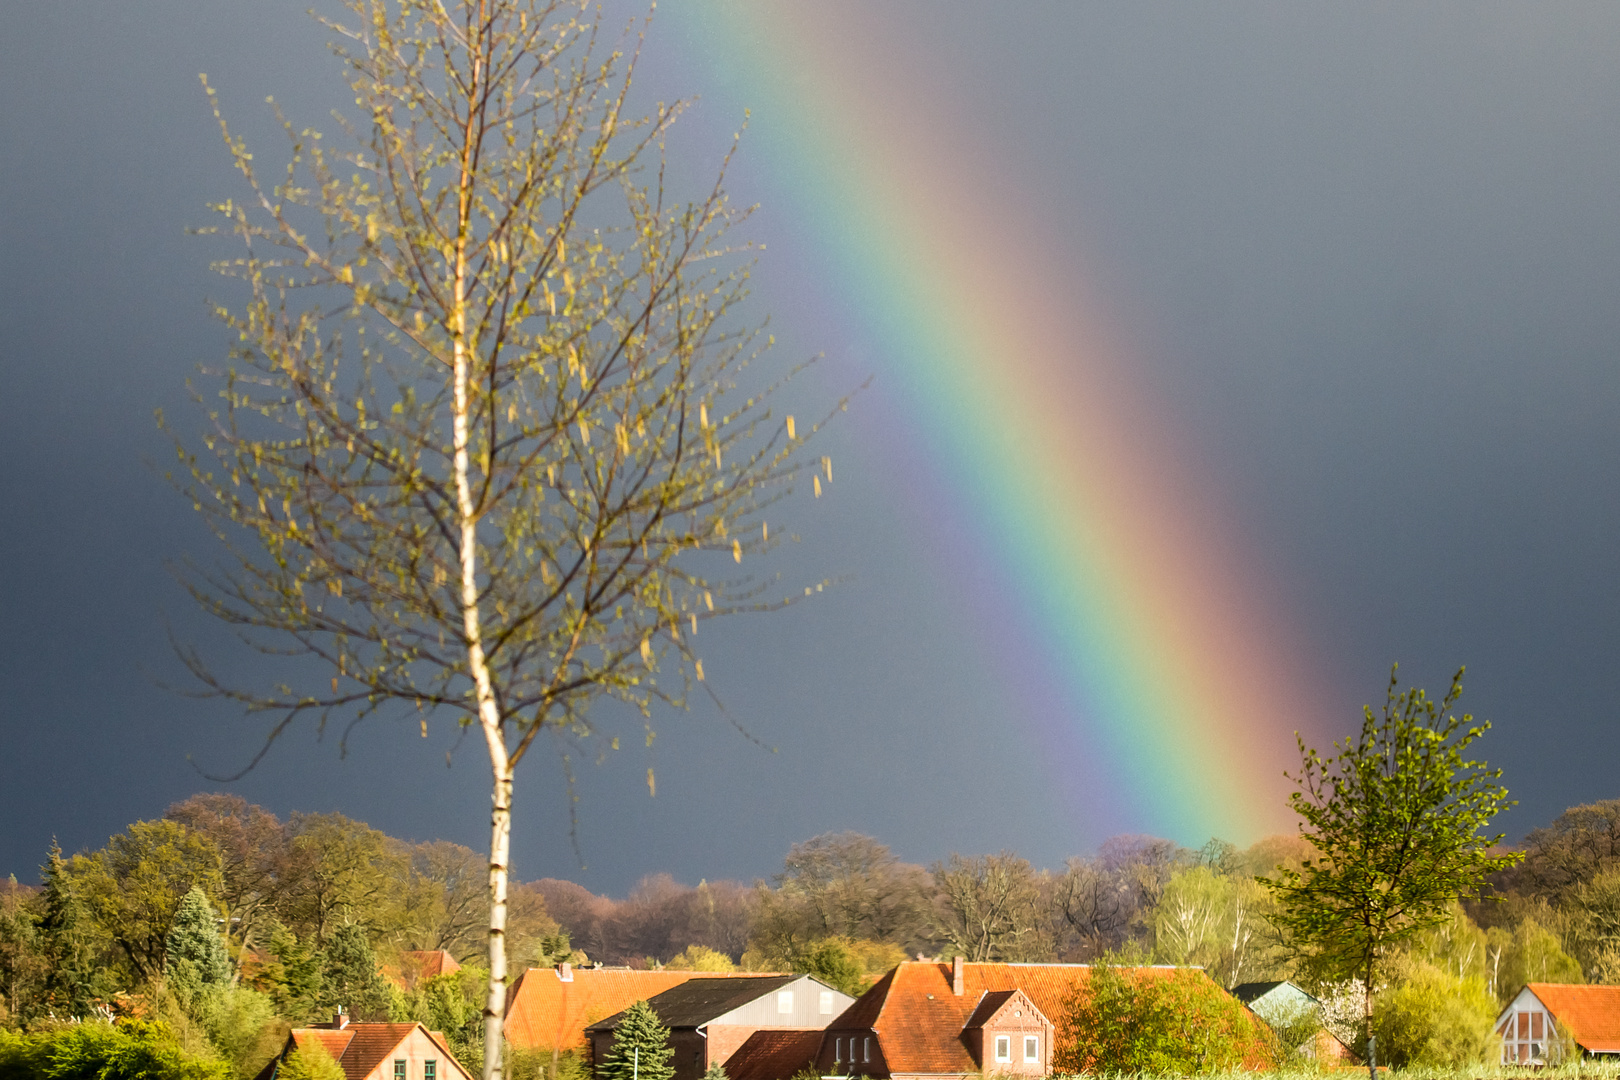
<point x="360" y="1048"/>
<point x="919" y="1021"/>
<point x="546" y="1012"/>
<point x="1591" y="1013"/>
<point x="773" y="1055"/>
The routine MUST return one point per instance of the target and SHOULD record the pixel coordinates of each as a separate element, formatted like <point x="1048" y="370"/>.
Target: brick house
<point x="376" y="1051"/>
<point x="550" y="1008"/>
<point x="1529" y="1025"/>
<point x="711" y="1019"/>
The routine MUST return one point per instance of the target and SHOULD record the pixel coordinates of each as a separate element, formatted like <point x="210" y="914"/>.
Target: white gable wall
<point x="1527" y="1031"/>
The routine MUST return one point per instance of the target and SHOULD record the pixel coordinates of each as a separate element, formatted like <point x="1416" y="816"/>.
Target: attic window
<point x="784" y="1001"/>
<point x="824" y="1003"/>
<point x="399" y="1069"/>
<point x="1003" y="1047"/>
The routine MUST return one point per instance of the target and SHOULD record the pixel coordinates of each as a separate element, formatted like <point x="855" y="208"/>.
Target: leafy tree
<point x="640" y="1048"/>
<point x="1123" y="1020"/>
<point x="340" y="871"/>
<point x="194" y="954"/>
<point x="850" y="885"/>
<point x="1218" y="922"/>
<point x="1431" y="1019"/>
<point x="243" y="1028"/>
<point x="1534" y="954"/>
<point x="487" y="434"/>
<point x="447" y="1003"/>
<point x="1398" y="818"/>
<point x="310" y="1060"/>
<point x="133" y="886"/>
<point x="252" y="843"/>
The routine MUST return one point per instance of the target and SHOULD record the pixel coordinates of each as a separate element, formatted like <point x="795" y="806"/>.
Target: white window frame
<point x="824" y="1003"/>
<point x="784" y="1001"/>
<point x="866" y="1049"/>
<point x="1004" y="1049"/>
<point x="1032" y="1048"/>
<point x="838" y="1051"/>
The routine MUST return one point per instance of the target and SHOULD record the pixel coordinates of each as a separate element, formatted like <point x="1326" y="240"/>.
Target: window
<point x="824" y="1003"/>
<point x="430" y="1070"/>
<point x="1003" y="1047"/>
<point x="838" y="1050"/>
<point x="1032" y="1048"/>
<point x="399" y="1069"/>
<point x="867" y="1050"/>
<point x="784" y="1001"/>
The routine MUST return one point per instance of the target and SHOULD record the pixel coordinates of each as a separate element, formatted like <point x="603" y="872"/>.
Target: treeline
<point x="318" y="911"/>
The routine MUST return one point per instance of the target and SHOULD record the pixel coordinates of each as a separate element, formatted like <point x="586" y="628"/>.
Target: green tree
<point x="350" y="978"/>
<point x="715" y="1071"/>
<point x="133" y="886"/>
<point x="1398" y="818"/>
<point x="640" y="1047"/>
<point x="1534" y="954"/>
<point x="292" y="978"/>
<point x="23" y="966"/>
<point x="129" y="1050"/>
<point x="486" y="450"/>
<point x="75" y="979"/>
<point x="194" y="954"/>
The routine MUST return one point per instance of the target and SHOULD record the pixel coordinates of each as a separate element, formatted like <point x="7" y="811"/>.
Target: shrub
<point x="1434" y="1020"/>
<point x="1124" y="1020"/>
<point x="131" y="1050"/>
<point x="310" y="1061"/>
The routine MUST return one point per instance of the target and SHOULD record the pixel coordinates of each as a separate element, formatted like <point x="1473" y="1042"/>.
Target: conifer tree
<point x="75" y="982"/>
<point x="715" y="1071"/>
<point x="641" y="1049"/>
<point x="350" y="978"/>
<point x="195" y="956"/>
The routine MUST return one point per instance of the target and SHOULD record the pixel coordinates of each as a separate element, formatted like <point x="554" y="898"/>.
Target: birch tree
<point x="486" y="449"/>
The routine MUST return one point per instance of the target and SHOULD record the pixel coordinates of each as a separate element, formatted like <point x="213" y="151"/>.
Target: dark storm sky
<point x="1368" y="256"/>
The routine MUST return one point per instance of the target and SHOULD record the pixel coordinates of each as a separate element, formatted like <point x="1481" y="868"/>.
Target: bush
<point x="310" y="1061"/>
<point x="1124" y="1020"/>
<point x="1434" y="1020"/>
<point x="131" y="1050"/>
<point x="700" y="958"/>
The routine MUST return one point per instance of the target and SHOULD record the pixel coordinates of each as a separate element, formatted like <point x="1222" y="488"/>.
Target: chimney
<point x="565" y="972"/>
<point x="341" y="1020"/>
<point x="956" y="976"/>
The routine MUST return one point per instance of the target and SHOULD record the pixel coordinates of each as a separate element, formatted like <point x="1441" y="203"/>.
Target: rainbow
<point x="1169" y="668"/>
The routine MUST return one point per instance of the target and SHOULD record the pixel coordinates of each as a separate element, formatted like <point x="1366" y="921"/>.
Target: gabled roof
<point x="919" y="1021"/>
<point x="428" y="963"/>
<point x="359" y="1048"/>
<point x="547" y="1011"/>
<point x="988" y="1004"/>
<point x="1591" y="1013"/>
<point x="701" y="999"/>
<point x="772" y="1055"/>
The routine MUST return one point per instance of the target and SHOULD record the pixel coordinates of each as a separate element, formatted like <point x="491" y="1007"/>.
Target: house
<point x="1530" y="1024"/>
<point x="711" y="1019"/>
<point x="376" y="1051"/>
<point x="550" y="1008"/>
<point x="1279" y="1004"/>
